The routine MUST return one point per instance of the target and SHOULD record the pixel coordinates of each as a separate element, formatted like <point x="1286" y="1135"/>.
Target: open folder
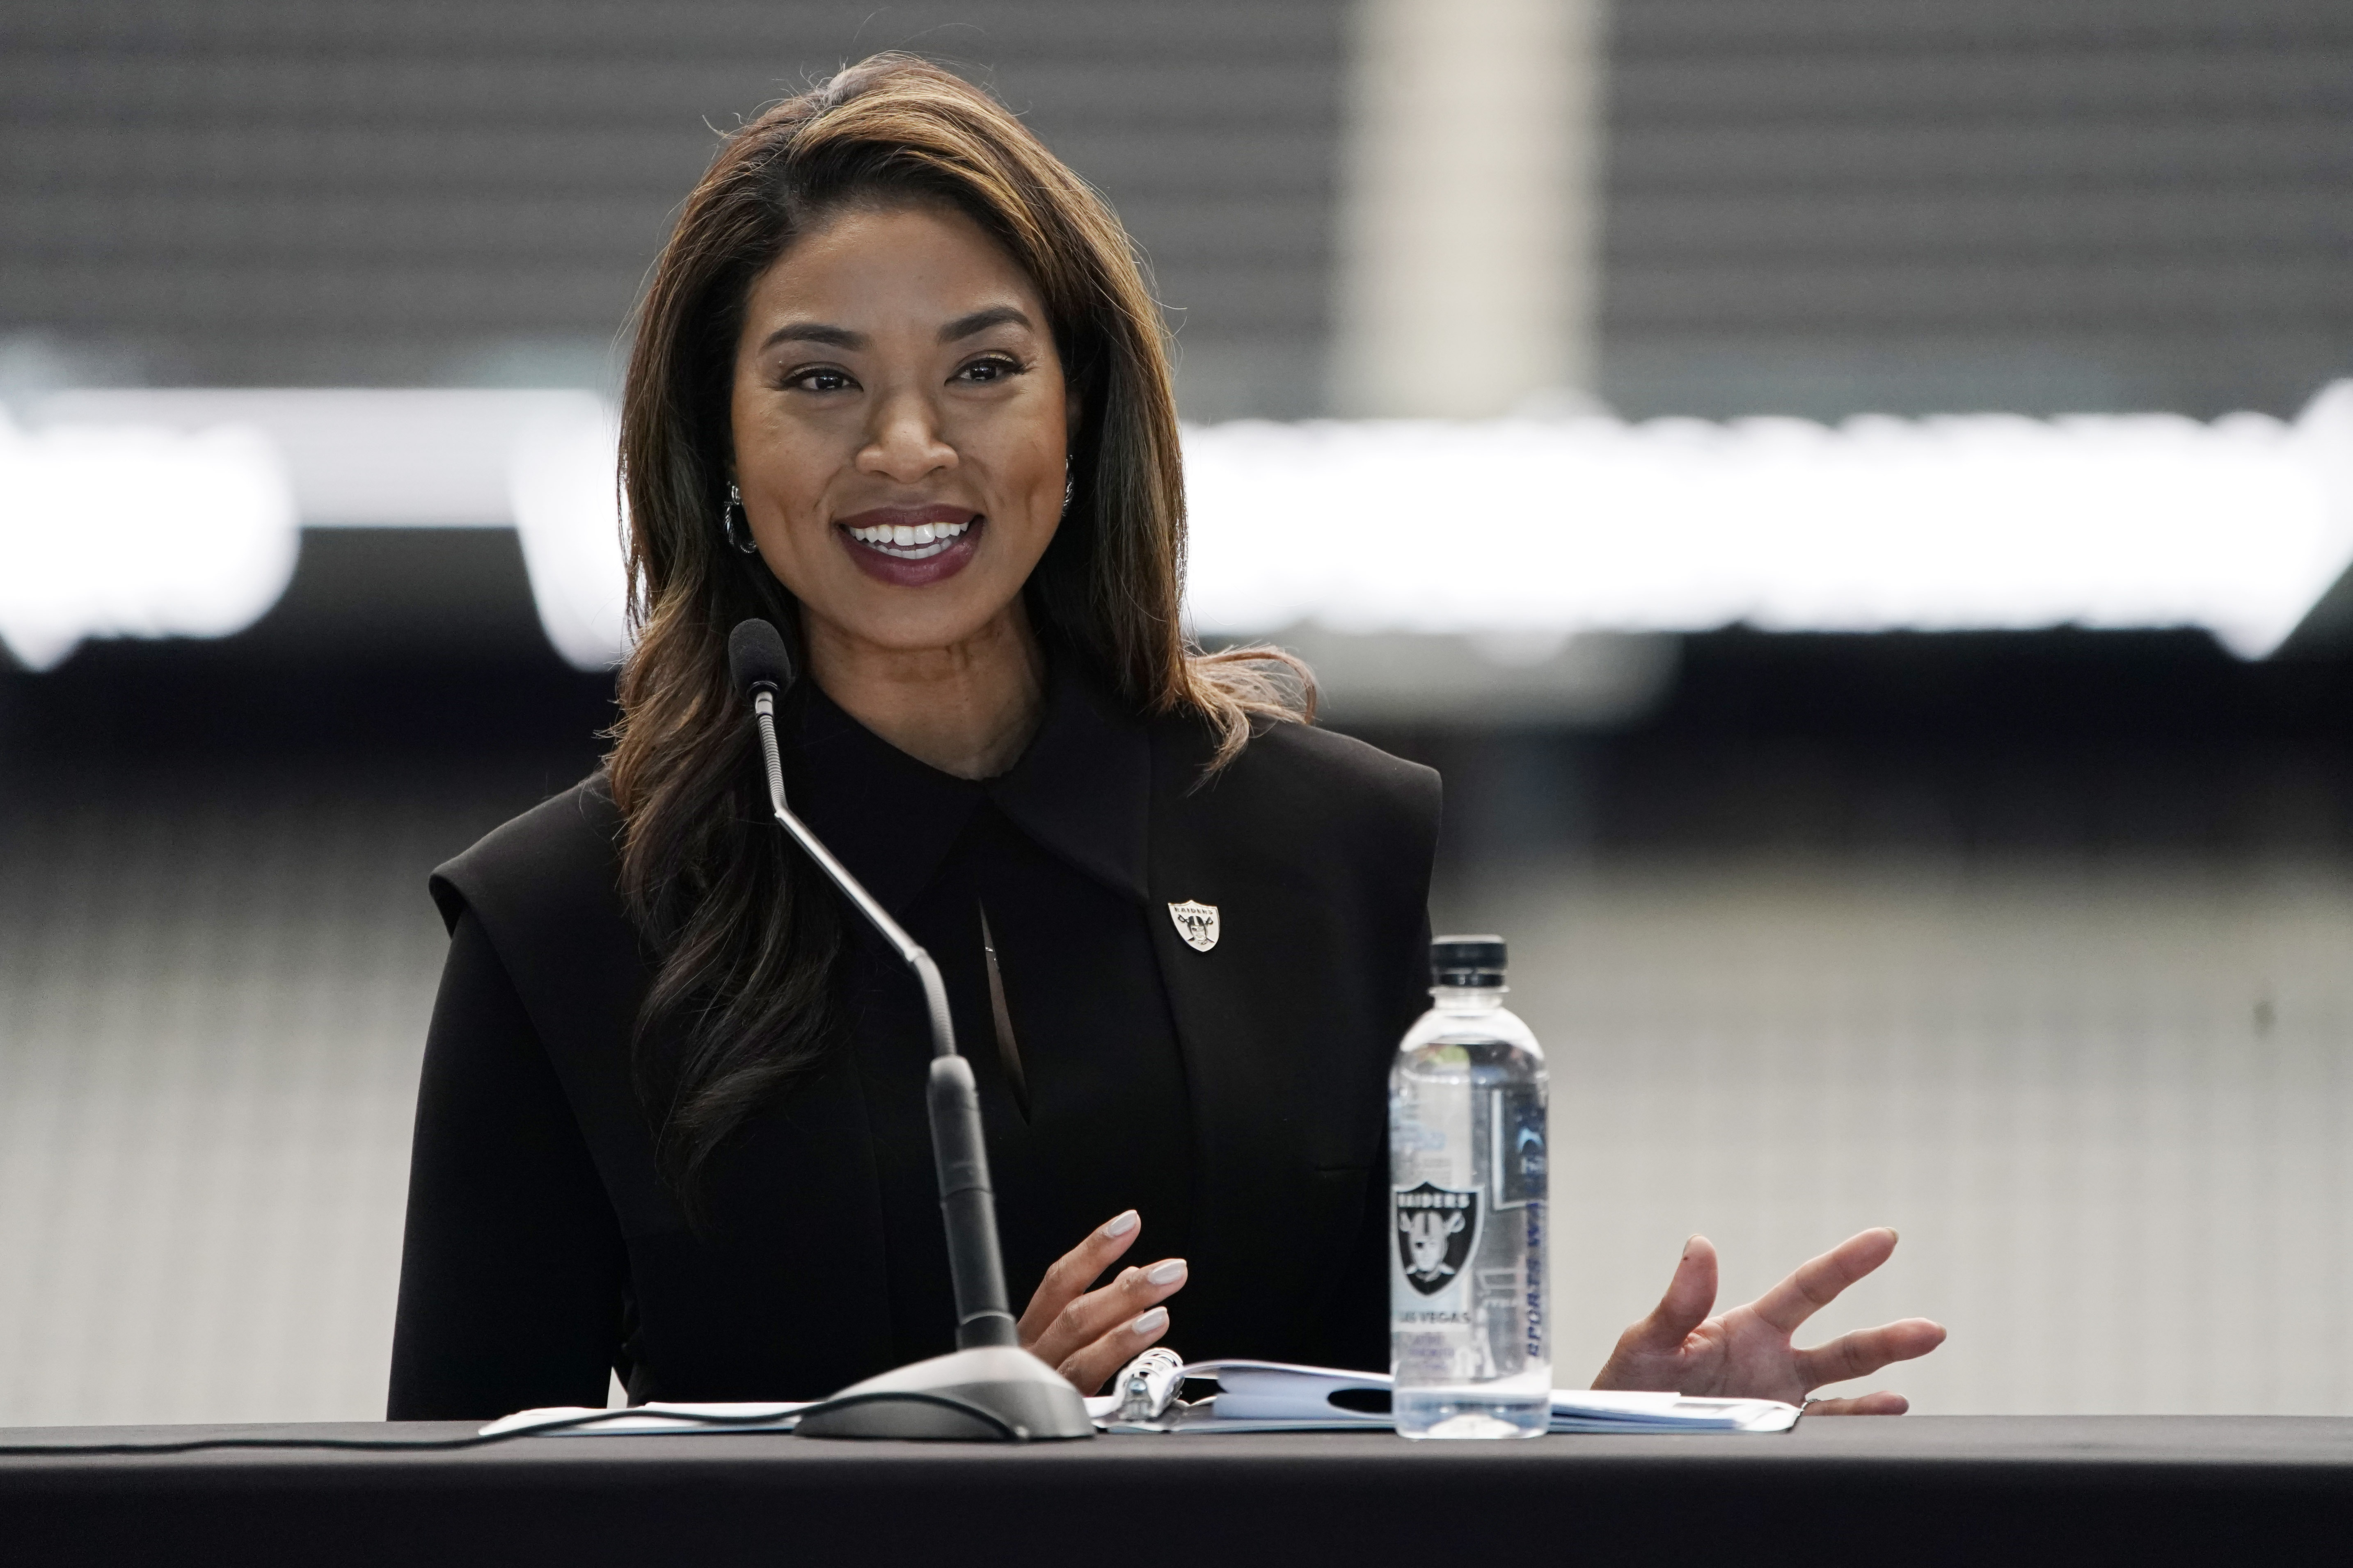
<point x="1250" y="1396"/>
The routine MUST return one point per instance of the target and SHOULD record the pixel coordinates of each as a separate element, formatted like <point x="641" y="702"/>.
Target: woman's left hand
<point x="1089" y="1334"/>
<point x="1746" y="1353"/>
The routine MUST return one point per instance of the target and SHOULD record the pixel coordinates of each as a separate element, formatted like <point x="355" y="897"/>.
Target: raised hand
<point x="1087" y="1335"/>
<point x="1746" y="1353"/>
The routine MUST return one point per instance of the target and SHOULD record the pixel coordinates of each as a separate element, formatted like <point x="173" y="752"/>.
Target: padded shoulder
<point x="559" y="859"/>
<point x="1294" y="782"/>
<point x="545" y="890"/>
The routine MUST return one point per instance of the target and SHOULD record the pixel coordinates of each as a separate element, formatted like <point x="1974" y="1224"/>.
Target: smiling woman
<point x="899" y="387"/>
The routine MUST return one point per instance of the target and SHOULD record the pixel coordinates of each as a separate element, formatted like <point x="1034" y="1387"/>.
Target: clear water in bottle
<point x="1468" y="1344"/>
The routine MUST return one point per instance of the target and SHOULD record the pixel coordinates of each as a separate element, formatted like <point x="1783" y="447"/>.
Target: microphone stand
<point x="1005" y="1388"/>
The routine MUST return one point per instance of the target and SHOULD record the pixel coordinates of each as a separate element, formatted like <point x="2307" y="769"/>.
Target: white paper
<point x="643" y="1420"/>
<point x="1278" y="1397"/>
<point x="1253" y="1396"/>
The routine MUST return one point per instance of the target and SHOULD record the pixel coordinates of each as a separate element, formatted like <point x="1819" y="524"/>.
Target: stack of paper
<point x="1252" y="1397"/>
<point x="1274" y="1396"/>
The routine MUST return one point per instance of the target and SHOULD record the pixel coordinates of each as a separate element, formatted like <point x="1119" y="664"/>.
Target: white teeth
<point x="910" y="542"/>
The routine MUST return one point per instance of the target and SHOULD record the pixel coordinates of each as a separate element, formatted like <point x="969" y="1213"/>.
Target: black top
<point x="1230" y="1092"/>
<point x="1082" y="1090"/>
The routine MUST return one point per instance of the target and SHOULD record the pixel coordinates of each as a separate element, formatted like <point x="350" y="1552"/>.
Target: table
<point x="1917" y="1488"/>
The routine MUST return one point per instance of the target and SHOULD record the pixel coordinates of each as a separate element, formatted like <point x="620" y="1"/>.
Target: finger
<point x="1076" y="1269"/>
<point x="1815" y="1282"/>
<point x="1098" y="1312"/>
<point x="1691" y="1296"/>
<point x="1865" y="1351"/>
<point x="1088" y="1369"/>
<point x="1880" y="1404"/>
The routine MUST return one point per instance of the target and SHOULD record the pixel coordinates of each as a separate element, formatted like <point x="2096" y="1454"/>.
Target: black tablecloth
<point x="1908" y="1489"/>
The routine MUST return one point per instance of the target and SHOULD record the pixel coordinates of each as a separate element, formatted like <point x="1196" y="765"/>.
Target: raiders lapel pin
<point x="1197" y="923"/>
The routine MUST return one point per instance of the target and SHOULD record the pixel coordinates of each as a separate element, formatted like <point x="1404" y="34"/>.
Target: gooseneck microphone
<point x="1008" y="1388"/>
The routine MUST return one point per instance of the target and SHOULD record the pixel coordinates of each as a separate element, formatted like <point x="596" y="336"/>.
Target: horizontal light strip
<point x="541" y="462"/>
<point x="1586" y="524"/>
<point x="174" y="513"/>
<point x="361" y="456"/>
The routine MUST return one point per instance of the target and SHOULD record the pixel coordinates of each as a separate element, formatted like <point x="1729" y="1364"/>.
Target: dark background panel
<point x="2077" y="745"/>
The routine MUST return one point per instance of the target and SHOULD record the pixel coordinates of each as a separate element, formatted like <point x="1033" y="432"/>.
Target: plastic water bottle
<point x="1469" y="1344"/>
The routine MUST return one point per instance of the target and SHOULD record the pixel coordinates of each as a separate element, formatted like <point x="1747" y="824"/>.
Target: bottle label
<point x="1518" y="1160"/>
<point x="1437" y="1227"/>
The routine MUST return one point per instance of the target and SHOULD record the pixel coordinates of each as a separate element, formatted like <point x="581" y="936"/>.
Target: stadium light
<point x="134" y="531"/>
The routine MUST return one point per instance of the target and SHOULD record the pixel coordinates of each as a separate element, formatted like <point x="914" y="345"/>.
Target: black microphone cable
<point x="1002" y="1427"/>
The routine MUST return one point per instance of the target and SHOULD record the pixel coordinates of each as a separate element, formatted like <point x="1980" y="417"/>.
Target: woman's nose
<point x="905" y="443"/>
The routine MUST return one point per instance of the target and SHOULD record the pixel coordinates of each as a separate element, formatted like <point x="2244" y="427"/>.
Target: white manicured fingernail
<point x="1121" y="1226"/>
<point x="1166" y="1273"/>
<point x="1151" y="1322"/>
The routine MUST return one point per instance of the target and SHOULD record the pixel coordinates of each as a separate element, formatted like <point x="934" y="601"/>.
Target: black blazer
<point x="1315" y="849"/>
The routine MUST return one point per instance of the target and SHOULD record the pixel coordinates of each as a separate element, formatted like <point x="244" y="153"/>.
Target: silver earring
<point x="735" y="525"/>
<point x="1069" y="488"/>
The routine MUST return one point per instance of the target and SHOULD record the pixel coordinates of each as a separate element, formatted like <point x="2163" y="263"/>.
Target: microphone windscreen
<point x="757" y="657"/>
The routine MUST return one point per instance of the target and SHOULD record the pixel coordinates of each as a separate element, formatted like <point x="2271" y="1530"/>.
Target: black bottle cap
<point x="1473" y="960"/>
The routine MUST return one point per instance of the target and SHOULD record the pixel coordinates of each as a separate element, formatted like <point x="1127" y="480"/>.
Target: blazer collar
<point x="1084" y="788"/>
<point x="1081" y="789"/>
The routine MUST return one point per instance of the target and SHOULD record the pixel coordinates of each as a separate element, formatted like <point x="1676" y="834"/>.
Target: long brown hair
<point x="746" y="935"/>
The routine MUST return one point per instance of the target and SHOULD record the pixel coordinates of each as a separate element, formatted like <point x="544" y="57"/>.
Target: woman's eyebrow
<point x="814" y="333"/>
<point x="981" y="320"/>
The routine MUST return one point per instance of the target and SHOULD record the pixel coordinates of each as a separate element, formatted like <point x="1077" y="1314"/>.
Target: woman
<point x="898" y="386"/>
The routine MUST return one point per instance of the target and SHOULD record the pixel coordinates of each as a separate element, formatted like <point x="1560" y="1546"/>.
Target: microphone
<point x="758" y="660"/>
<point x="989" y="1385"/>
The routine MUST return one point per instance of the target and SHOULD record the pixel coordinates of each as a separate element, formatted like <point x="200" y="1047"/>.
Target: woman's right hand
<point x="1087" y="1335"/>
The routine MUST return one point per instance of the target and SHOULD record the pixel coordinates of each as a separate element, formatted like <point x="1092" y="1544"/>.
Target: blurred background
<point x="1847" y="491"/>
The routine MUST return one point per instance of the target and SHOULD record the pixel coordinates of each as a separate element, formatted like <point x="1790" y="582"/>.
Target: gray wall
<point x="1816" y="206"/>
<point x="1812" y="207"/>
<point x="316" y="192"/>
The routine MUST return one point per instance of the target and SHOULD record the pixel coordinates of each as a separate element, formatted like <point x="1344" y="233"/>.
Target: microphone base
<point x="1029" y="1398"/>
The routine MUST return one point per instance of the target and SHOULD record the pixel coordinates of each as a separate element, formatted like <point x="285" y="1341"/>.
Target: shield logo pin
<point x="1436" y="1229"/>
<point x="1197" y="923"/>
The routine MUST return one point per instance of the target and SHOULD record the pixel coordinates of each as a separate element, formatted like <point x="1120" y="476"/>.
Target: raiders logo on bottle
<point x="1436" y="1229"/>
<point x="1197" y="923"/>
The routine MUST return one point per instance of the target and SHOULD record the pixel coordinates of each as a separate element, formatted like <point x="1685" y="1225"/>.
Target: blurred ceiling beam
<point x="1468" y="212"/>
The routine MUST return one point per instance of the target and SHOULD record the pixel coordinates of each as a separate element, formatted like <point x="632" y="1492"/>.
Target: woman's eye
<point x="819" y="380"/>
<point x="987" y="370"/>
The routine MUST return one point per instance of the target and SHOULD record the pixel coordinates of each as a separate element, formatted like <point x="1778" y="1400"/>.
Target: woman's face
<point x="900" y="426"/>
